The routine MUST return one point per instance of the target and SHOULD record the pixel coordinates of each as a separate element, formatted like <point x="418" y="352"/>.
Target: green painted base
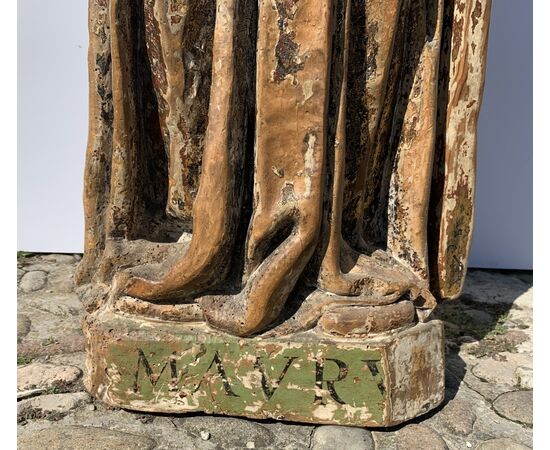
<point x="176" y="368"/>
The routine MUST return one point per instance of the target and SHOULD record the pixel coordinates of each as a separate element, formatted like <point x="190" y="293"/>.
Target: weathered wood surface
<point x="355" y="177"/>
<point x="185" y="368"/>
<point x="462" y="75"/>
<point x="278" y="169"/>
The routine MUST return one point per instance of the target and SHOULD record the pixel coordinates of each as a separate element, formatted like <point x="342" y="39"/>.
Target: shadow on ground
<point x="482" y="316"/>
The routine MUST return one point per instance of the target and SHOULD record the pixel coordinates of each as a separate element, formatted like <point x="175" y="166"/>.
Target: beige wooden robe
<point x="240" y="152"/>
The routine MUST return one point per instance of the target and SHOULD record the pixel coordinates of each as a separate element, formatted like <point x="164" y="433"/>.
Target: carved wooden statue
<point x="276" y="193"/>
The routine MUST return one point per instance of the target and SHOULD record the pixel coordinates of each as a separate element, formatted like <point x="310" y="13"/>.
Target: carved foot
<point x="142" y="288"/>
<point x="229" y="313"/>
<point x="377" y="275"/>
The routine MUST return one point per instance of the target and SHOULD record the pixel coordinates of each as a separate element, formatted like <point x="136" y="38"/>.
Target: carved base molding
<point x="157" y="366"/>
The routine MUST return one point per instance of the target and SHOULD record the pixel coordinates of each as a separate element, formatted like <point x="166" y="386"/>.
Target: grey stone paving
<point x="489" y="380"/>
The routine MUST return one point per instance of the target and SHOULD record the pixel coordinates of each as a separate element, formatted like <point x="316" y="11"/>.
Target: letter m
<point x="151" y="375"/>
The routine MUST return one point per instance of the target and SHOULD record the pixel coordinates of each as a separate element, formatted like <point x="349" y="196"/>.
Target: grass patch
<point x="54" y="390"/>
<point x="49" y="341"/>
<point x="499" y="328"/>
<point x="34" y="414"/>
<point x="454" y="312"/>
<point x="494" y="337"/>
<point x="22" y="360"/>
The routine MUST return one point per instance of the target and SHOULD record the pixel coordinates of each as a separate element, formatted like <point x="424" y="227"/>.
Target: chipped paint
<point x="310" y="161"/>
<point x="179" y="368"/>
<point x="307" y="90"/>
<point x="288" y="60"/>
<point x="334" y="200"/>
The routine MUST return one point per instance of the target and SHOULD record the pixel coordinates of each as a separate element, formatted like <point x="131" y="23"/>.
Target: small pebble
<point x="205" y="435"/>
<point x="250" y="444"/>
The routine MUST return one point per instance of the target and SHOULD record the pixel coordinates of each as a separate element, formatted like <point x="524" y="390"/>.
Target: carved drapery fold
<point x="287" y="162"/>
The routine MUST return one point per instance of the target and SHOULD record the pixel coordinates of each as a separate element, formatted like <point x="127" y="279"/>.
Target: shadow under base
<point x="155" y="366"/>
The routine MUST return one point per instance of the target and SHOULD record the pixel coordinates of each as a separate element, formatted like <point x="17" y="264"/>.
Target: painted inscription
<point x="267" y="380"/>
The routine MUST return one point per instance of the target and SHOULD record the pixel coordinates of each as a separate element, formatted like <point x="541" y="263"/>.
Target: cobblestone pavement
<point x="489" y="380"/>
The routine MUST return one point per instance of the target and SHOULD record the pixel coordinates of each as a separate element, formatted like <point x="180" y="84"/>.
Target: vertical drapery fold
<point x="461" y="79"/>
<point x="355" y="180"/>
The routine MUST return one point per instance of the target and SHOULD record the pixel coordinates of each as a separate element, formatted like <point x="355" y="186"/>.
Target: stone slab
<point x="158" y="366"/>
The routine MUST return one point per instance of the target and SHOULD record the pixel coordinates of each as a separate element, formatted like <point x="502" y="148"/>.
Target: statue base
<point x="155" y="366"/>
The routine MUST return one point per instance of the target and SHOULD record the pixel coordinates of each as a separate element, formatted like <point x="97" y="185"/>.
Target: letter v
<point x="267" y="390"/>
